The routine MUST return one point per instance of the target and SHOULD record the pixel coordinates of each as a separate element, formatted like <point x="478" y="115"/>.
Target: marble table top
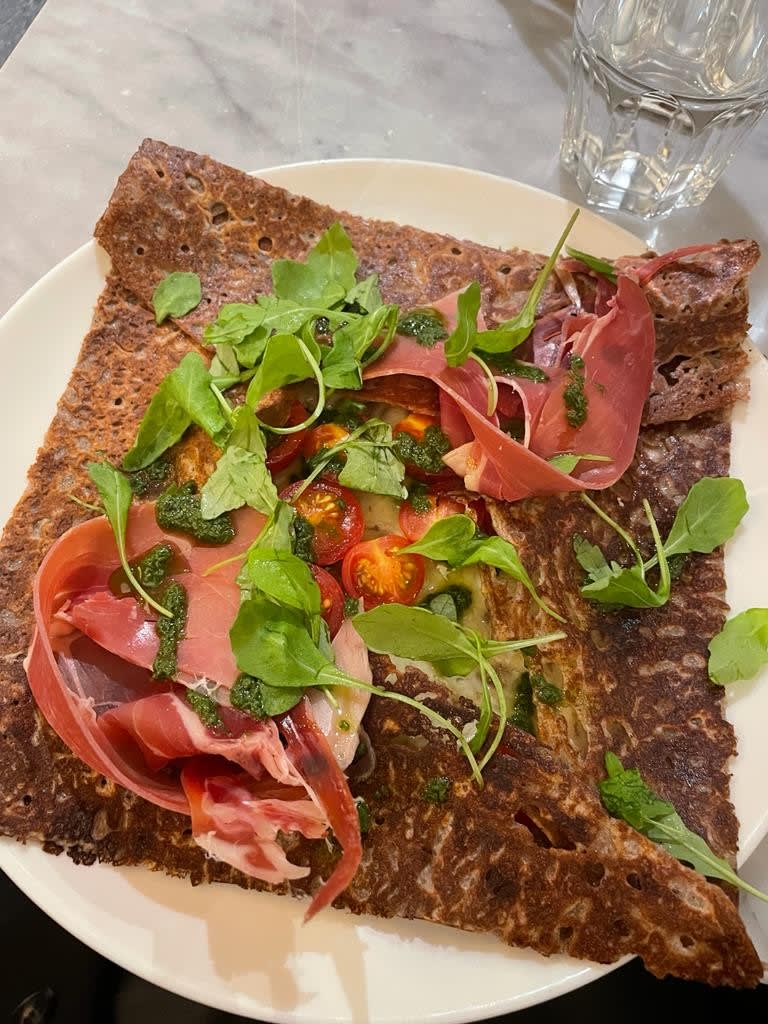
<point x="258" y="84"/>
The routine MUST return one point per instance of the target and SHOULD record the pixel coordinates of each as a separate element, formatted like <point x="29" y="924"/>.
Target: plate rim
<point x="14" y="856"/>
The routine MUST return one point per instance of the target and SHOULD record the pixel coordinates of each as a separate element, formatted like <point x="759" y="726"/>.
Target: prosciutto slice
<point x="617" y="348"/>
<point x="242" y="783"/>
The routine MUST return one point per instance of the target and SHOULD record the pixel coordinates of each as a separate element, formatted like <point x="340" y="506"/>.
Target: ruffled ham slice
<point x="243" y="783"/>
<point x="618" y="351"/>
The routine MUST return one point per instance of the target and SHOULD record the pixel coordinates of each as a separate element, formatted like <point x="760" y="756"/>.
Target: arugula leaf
<point x="285" y="362"/>
<point x="257" y="699"/>
<point x="183" y="397"/>
<point x="463" y="338"/>
<point x="568" y="461"/>
<point x="628" y="587"/>
<point x="283" y="577"/>
<point x="626" y="796"/>
<point x="371" y="464"/>
<point x="240" y="327"/>
<point x="177" y="294"/>
<point x="708" y="516"/>
<point x="240" y="478"/>
<point x="341" y="367"/>
<point x="246" y="432"/>
<point x="740" y="649"/>
<point x="365" y="294"/>
<point x="325" y="277"/>
<point x="455" y="540"/>
<point x="418" y="634"/>
<point x="602" y="267"/>
<point x="272" y="643"/>
<point x="511" y="333"/>
<point x="116" y="496"/>
<point x="362" y="332"/>
<point x="590" y="558"/>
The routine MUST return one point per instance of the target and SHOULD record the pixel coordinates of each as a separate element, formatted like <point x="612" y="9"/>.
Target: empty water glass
<point x="661" y="94"/>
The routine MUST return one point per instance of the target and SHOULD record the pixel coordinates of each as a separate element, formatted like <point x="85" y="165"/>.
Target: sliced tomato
<point x="415" y="523"/>
<point x="375" y="571"/>
<point x="331" y="598"/>
<point x="334" y="514"/>
<point x="417" y="425"/>
<point x="286" y="450"/>
<point x="324" y="436"/>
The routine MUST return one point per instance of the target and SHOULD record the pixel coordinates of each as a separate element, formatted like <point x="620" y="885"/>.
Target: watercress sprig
<point x="600" y="266"/>
<point x="626" y="796"/>
<point x="370" y="464"/>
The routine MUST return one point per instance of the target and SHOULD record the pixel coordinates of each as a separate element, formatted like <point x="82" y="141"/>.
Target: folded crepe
<point x="532" y="857"/>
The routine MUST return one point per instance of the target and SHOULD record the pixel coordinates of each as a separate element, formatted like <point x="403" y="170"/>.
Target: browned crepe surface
<point x="591" y="904"/>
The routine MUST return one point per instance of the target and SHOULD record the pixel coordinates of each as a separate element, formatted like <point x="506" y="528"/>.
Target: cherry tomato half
<point x="415" y="524"/>
<point x="331" y="598"/>
<point x="417" y="425"/>
<point x="324" y="436"/>
<point x="334" y="514"/>
<point x="376" y="572"/>
<point x="287" y="449"/>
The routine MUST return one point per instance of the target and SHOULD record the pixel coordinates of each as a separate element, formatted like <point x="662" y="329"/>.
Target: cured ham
<point x="243" y="781"/>
<point x="617" y="348"/>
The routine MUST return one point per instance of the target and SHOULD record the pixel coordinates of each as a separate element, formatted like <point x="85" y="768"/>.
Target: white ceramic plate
<point x="248" y="953"/>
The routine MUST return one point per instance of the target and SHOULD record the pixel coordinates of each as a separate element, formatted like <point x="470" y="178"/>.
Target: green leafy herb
<point x="602" y="267"/>
<point x="206" y="709"/>
<point x="420" y="635"/>
<point x="364" y="816"/>
<point x="361" y="334"/>
<point x="282" y="577"/>
<point x="240" y="478"/>
<point x="436" y="790"/>
<point x="427" y="453"/>
<point x="273" y="644"/>
<point x="574" y="397"/>
<point x="425" y="325"/>
<point x="740" y="649"/>
<point x="568" y="461"/>
<point x="170" y="631"/>
<point x="455" y="540"/>
<point x="325" y="277"/>
<point x="451" y="602"/>
<point x="522" y="712"/>
<point x="463" y="338"/>
<point x="152" y="568"/>
<point x="287" y="360"/>
<point x="364" y="296"/>
<point x="370" y="461"/>
<point x="179" y="508"/>
<point x="341" y="366"/>
<point x="116" y="496"/>
<point x="153" y="475"/>
<point x="177" y="294"/>
<point x="707" y="517"/>
<point x="184" y="397"/>
<point x="511" y="333"/>
<point x="626" y="796"/>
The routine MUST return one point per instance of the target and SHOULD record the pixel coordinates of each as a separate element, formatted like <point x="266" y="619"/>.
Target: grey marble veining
<point x="258" y="84"/>
<point x="15" y="18"/>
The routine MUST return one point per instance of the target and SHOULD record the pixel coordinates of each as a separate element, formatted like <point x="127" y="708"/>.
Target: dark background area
<point x="48" y="977"/>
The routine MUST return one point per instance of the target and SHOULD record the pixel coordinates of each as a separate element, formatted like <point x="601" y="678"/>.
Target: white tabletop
<point x="263" y="82"/>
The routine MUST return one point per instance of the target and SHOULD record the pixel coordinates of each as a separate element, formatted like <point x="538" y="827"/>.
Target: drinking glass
<point x="661" y="94"/>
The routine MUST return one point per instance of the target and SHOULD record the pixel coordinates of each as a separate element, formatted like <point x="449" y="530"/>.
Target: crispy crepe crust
<point x="177" y="210"/>
<point x="565" y="877"/>
<point x="636" y="681"/>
